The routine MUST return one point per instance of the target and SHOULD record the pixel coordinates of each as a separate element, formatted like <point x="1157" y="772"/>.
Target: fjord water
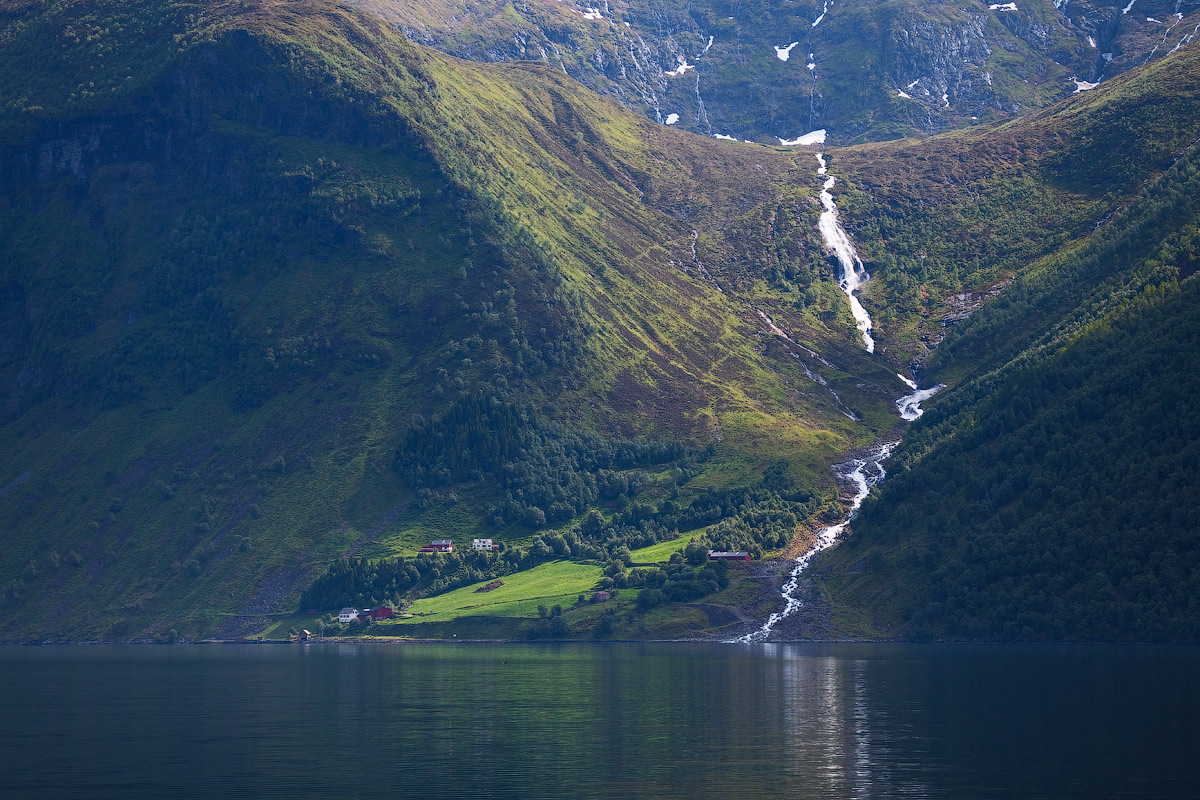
<point x="603" y="721"/>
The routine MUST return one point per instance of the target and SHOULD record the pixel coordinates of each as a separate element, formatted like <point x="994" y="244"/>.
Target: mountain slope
<point x="280" y="286"/>
<point x="1050" y="494"/>
<point x="265" y="241"/>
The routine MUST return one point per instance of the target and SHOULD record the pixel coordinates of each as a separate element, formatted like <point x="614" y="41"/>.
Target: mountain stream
<point x="865" y="472"/>
<point x="854" y="274"/>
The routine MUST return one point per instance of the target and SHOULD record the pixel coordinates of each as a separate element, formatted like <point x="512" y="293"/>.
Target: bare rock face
<point x="862" y="71"/>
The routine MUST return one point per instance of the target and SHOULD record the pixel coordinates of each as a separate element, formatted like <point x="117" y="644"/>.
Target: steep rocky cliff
<point x="862" y="71"/>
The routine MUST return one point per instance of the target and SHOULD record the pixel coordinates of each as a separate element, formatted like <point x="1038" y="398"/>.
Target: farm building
<point x="378" y="612"/>
<point x="727" y="555"/>
<point x="483" y="544"/>
<point x="347" y="615"/>
<point x="438" y="546"/>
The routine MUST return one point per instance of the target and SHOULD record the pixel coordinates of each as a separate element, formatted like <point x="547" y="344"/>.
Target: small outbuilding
<point x="728" y="555"/>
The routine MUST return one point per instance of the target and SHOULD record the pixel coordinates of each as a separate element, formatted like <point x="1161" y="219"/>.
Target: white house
<point x="347" y="615"/>
<point x="482" y="544"/>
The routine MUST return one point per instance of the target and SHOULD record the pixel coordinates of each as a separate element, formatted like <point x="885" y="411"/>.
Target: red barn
<point x="379" y="612"/>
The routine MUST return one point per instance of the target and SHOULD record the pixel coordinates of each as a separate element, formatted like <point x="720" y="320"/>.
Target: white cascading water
<point x="854" y="274"/>
<point x="864" y="472"/>
<point x="909" y="406"/>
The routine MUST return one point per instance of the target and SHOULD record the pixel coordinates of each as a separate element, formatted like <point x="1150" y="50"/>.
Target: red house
<point x="438" y="546"/>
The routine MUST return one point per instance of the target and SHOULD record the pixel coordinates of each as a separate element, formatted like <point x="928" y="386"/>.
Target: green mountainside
<point x="285" y="294"/>
<point x="1052" y="493"/>
<point x="263" y="247"/>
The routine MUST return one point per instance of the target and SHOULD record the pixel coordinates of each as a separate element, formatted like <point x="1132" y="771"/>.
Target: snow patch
<point x="904" y="94"/>
<point x="812" y="137"/>
<point x="784" y="53"/>
<point x="945" y="100"/>
<point x="1152" y="19"/>
<point x="824" y="11"/>
<point x="592" y="14"/>
<point x="1003" y="7"/>
<point x="909" y="382"/>
<point x="1082" y="86"/>
<point x="1126" y="9"/>
<point x="672" y="119"/>
<point x="1091" y="41"/>
<point x="682" y="68"/>
<point x="811" y="65"/>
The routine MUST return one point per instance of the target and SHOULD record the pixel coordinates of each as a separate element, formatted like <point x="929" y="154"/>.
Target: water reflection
<point x="826" y="714"/>
<point x="603" y="721"/>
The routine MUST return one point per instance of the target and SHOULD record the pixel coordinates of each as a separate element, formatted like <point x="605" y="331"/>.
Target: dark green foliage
<point x="1144" y="244"/>
<point x="548" y="474"/>
<point x="754" y="519"/>
<point x="649" y="598"/>
<point x="604" y="626"/>
<point x="1062" y="504"/>
<point x="678" y="582"/>
<point x="768" y="525"/>
<point x="695" y="553"/>
<point x="1051" y="494"/>
<point x="554" y="627"/>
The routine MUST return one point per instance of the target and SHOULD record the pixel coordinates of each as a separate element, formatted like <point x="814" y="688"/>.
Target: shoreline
<point x="405" y="641"/>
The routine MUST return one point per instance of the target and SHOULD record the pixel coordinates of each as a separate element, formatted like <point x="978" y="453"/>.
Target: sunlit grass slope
<point x="556" y="583"/>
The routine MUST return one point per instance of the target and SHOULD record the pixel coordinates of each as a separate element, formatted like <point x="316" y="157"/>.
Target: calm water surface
<point x="602" y="721"/>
